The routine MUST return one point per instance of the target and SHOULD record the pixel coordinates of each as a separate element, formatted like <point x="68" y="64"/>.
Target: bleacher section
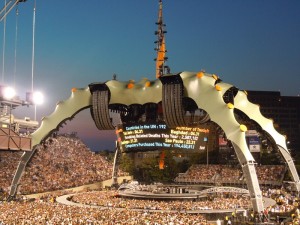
<point x="225" y="175"/>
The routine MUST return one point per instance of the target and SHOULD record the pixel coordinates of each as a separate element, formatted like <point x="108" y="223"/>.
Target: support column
<point x="253" y="186"/>
<point x="115" y="167"/>
<point x="249" y="171"/>
<point x="290" y="163"/>
<point x="25" y="158"/>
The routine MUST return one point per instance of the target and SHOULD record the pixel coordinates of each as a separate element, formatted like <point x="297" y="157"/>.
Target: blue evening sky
<point x="252" y="44"/>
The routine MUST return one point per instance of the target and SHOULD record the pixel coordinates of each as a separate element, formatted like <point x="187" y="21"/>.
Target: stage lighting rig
<point x="9" y="101"/>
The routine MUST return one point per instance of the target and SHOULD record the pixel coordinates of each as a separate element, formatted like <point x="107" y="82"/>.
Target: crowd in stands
<point x="61" y="162"/>
<point x="46" y="212"/>
<point x="9" y="162"/>
<point x="117" y="210"/>
<point x="270" y="172"/>
<point x="287" y="204"/>
<point x="285" y="201"/>
<point x="200" y="173"/>
<point x="111" y="199"/>
<point x="64" y="162"/>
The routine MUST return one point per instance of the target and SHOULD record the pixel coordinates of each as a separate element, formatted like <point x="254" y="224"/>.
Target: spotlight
<point x="38" y="98"/>
<point x="9" y="93"/>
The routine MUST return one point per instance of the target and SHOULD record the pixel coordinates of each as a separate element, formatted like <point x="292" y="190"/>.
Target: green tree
<point x="127" y="163"/>
<point x="145" y="171"/>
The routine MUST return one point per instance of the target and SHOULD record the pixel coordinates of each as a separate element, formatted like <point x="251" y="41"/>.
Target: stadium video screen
<point x="146" y="137"/>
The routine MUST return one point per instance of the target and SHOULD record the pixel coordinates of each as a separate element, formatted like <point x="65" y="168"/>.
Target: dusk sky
<point x="254" y="45"/>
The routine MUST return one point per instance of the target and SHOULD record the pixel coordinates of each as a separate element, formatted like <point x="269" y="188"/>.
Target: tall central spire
<point x="161" y="58"/>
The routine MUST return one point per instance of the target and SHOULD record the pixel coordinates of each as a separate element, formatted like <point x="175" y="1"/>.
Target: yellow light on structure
<point x="74" y="89"/>
<point x="246" y="92"/>
<point x="119" y="131"/>
<point x="9" y="92"/>
<point x="200" y="74"/>
<point x="243" y="128"/>
<point x="218" y="87"/>
<point x="215" y="76"/>
<point x="38" y="98"/>
<point x="147" y="84"/>
<point x="130" y="85"/>
<point x="230" y="105"/>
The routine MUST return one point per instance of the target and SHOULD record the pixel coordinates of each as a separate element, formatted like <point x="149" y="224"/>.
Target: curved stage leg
<point x="249" y="171"/>
<point x="26" y="157"/>
<point x="116" y="166"/>
<point x="288" y="158"/>
<point x="253" y="112"/>
<point x="208" y="94"/>
<point x="79" y="100"/>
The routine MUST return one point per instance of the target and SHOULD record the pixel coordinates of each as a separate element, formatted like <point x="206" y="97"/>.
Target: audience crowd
<point x="61" y="162"/>
<point x="64" y="161"/>
<point x="200" y="173"/>
<point x="115" y="210"/>
<point x="111" y="199"/>
<point x="40" y="212"/>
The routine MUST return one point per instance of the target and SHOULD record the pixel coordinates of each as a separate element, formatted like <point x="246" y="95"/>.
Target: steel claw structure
<point x="172" y="91"/>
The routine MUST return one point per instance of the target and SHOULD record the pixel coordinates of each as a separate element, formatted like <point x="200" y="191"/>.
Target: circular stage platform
<point x="162" y="198"/>
<point x="181" y="192"/>
<point x="162" y="193"/>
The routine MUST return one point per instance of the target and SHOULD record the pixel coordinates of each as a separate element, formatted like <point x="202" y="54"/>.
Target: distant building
<point x="285" y="112"/>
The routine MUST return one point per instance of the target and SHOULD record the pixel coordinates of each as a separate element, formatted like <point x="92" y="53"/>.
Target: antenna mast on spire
<point x="161" y="58"/>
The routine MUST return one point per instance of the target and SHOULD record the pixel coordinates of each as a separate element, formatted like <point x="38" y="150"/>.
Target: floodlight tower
<point x="15" y="132"/>
<point x="161" y="58"/>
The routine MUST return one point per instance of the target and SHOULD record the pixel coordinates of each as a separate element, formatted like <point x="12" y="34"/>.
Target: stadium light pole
<point x="9" y="93"/>
<point x="38" y="99"/>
